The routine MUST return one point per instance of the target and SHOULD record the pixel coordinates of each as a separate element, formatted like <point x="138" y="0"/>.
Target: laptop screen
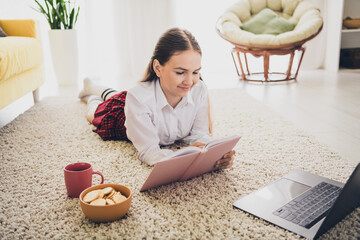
<point x="348" y="200"/>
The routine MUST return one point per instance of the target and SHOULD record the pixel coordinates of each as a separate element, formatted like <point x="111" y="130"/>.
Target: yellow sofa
<point x="21" y="60"/>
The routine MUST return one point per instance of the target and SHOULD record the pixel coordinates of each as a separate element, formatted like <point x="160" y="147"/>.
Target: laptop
<point x="304" y="203"/>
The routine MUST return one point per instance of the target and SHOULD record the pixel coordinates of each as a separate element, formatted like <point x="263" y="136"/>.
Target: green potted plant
<point x="62" y="16"/>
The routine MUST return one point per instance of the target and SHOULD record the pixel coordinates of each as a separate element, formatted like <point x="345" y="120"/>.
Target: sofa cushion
<point x="268" y="22"/>
<point x="18" y="54"/>
<point x="304" y="13"/>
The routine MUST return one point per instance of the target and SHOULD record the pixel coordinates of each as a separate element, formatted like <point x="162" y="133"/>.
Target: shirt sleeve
<point x="200" y="129"/>
<point x="142" y="133"/>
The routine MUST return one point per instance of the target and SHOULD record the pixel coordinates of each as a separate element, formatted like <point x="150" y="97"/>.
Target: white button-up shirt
<point x="151" y="121"/>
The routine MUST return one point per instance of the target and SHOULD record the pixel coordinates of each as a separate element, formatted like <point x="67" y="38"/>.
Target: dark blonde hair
<point x="173" y="41"/>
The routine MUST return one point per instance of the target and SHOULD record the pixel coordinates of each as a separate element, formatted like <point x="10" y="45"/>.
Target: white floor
<point x="323" y="104"/>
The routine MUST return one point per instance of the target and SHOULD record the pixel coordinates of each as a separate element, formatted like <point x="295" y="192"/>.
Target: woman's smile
<point x="185" y="88"/>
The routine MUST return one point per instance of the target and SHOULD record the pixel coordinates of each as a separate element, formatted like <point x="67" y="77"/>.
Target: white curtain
<point x="117" y="37"/>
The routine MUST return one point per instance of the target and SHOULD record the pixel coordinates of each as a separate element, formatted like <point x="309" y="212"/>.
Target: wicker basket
<point x="351" y="23"/>
<point x="350" y="58"/>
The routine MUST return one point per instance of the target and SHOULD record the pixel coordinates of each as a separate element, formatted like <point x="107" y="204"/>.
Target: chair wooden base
<point x="265" y="51"/>
<point x="265" y="76"/>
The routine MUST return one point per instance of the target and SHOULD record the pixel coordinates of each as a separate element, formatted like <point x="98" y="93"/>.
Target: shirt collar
<point x="161" y="101"/>
<point x="186" y="100"/>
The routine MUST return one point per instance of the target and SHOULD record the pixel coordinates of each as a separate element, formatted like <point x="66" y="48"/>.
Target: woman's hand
<point x="195" y="144"/>
<point x="226" y="161"/>
<point x="198" y="144"/>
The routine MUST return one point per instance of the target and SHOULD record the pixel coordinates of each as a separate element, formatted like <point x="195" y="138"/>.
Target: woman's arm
<point x="142" y="133"/>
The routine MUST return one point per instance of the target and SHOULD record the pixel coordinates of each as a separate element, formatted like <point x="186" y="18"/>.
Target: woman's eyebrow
<point x="184" y="69"/>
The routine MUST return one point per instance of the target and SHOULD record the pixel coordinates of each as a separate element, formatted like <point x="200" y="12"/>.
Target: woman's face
<point x="178" y="75"/>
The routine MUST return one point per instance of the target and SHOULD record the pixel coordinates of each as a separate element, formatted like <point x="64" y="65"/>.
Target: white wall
<point x="200" y="17"/>
<point x="332" y="26"/>
<point x="315" y="49"/>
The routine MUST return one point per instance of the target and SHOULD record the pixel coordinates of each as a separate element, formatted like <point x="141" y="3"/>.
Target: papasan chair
<point x="265" y="28"/>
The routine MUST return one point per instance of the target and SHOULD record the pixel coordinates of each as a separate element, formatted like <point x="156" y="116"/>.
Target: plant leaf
<point x="72" y="18"/>
<point x="77" y="14"/>
<point x="58" y="13"/>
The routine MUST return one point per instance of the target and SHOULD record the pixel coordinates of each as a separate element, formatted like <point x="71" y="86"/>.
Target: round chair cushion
<point x="303" y="13"/>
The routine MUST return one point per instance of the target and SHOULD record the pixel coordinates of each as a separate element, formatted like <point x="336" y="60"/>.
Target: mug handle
<point x="99" y="173"/>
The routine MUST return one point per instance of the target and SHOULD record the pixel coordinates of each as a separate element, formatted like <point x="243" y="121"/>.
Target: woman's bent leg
<point x="92" y="104"/>
<point x="90" y="88"/>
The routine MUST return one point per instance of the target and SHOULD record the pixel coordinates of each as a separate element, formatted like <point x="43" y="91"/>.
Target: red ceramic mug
<point x="78" y="176"/>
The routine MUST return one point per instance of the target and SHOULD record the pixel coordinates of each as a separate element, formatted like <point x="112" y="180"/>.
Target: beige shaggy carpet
<point x="37" y="145"/>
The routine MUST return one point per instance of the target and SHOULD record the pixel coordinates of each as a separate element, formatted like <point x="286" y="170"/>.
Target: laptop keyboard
<point x="306" y="209"/>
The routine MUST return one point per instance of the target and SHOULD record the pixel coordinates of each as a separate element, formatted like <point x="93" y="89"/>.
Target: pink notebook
<point x="189" y="162"/>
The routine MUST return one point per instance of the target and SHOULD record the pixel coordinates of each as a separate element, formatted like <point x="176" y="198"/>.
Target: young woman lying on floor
<point x="170" y="103"/>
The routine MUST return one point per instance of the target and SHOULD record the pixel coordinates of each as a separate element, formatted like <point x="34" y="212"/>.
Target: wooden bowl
<point x="106" y="213"/>
<point x="351" y="23"/>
